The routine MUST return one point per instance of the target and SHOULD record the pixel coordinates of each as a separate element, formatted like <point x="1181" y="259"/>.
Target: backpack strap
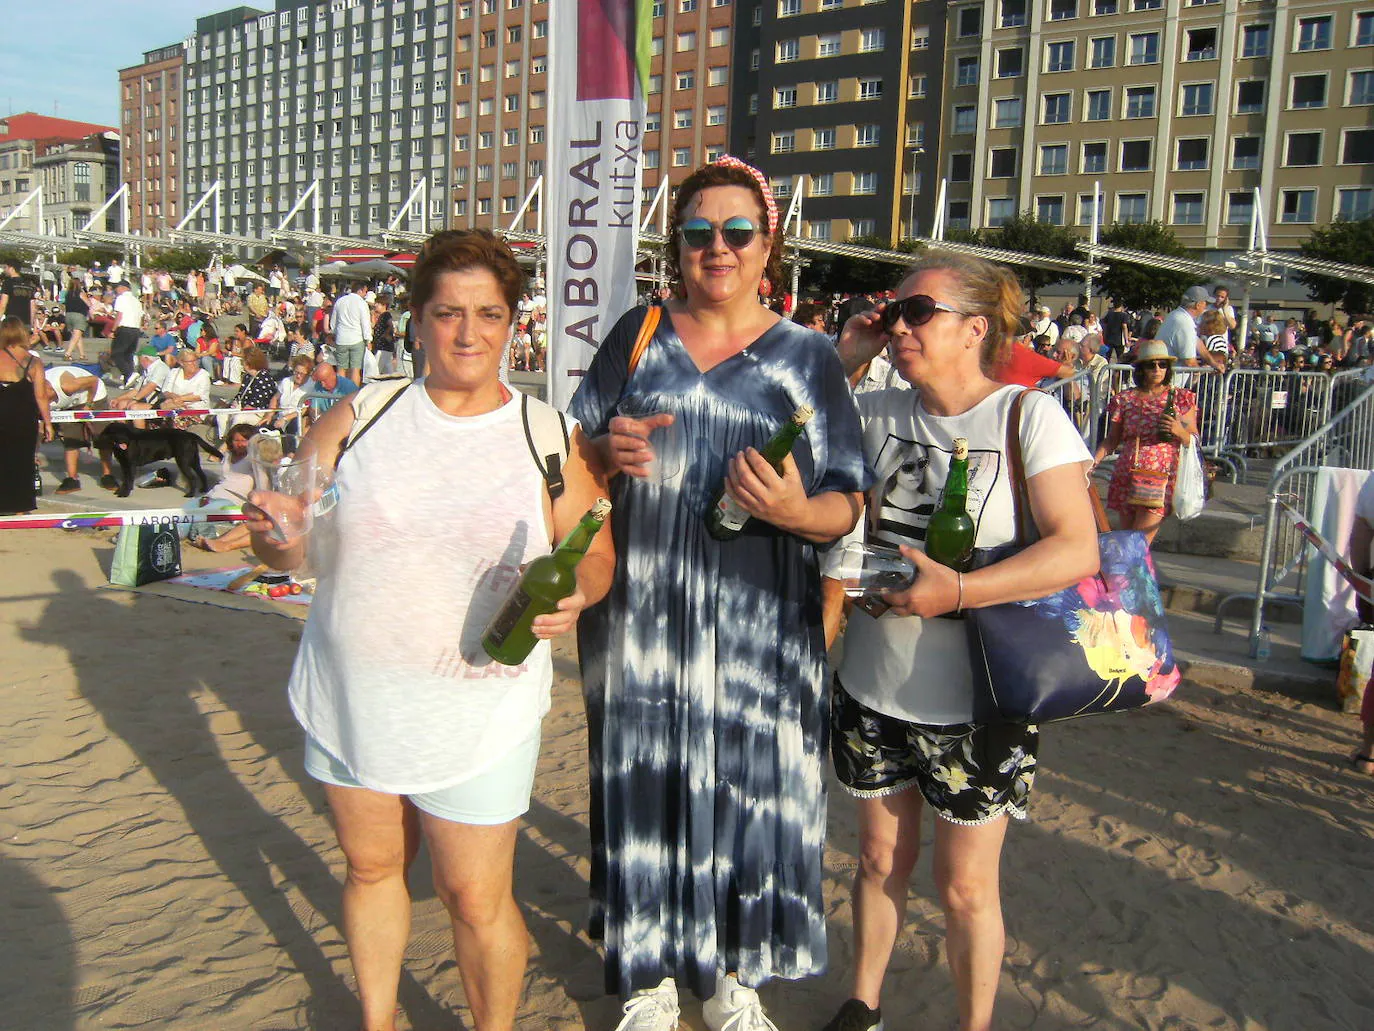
<point x="546" y="434"/>
<point x="370" y="404"/>
<point x="646" y="334"/>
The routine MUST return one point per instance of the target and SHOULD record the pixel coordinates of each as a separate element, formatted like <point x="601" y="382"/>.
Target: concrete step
<point x="1195" y="584"/>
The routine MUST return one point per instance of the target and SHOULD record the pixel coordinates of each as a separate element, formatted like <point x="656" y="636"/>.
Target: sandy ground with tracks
<point x="164" y="861"/>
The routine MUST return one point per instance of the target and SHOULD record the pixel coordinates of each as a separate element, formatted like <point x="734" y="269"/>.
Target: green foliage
<point x="85" y="257"/>
<point x="1142" y="286"/>
<point x="835" y="273"/>
<point x="1027" y="233"/>
<point x="1351" y="243"/>
<point x="177" y="259"/>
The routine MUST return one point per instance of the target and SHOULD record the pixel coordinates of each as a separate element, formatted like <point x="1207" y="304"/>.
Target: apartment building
<point x="501" y="100"/>
<point x="840" y="93"/>
<point x="150" y="119"/>
<point x="1179" y="108"/>
<point x="352" y="93"/>
<point x="77" y="177"/>
<point x="22" y="137"/>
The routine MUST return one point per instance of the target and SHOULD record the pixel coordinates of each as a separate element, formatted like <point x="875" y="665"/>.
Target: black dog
<point x="134" y="447"/>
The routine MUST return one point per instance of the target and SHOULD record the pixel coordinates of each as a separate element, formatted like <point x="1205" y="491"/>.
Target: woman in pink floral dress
<point x="1147" y="440"/>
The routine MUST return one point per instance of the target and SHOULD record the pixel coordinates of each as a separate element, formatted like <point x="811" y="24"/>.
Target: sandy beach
<point x="166" y="863"/>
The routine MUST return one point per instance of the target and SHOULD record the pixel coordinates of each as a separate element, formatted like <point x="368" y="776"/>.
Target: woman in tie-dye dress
<point x="703" y="668"/>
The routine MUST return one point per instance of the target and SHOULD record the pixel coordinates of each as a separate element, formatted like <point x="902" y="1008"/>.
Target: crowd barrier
<point x="122" y="415"/>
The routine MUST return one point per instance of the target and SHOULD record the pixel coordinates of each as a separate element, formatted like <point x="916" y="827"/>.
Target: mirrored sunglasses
<point x="737" y="232"/>
<point x="916" y="310"/>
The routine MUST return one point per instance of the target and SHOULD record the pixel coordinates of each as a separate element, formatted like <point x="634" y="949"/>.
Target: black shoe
<point x="108" y="482"/>
<point x="68" y="486"/>
<point x="855" y="1016"/>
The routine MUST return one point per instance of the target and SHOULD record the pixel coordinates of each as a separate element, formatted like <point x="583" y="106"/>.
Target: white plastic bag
<point x="1190" y="484"/>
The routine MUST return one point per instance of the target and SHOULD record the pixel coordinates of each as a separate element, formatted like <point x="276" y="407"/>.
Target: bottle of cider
<point x="725" y="519"/>
<point x="544" y="583"/>
<point x="1166" y="417"/>
<point x="949" y="537"/>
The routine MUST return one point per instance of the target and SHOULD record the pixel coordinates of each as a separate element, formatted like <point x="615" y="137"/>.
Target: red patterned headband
<point x="770" y="205"/>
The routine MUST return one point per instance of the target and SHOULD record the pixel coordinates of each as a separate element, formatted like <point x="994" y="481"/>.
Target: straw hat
<point x="1153" y="350"/>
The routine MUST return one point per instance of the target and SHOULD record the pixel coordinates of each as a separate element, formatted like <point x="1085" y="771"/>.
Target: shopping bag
<point x="1190" y="484"/>
<point x="146" y="554"/>
<point x="1357" y="666"/>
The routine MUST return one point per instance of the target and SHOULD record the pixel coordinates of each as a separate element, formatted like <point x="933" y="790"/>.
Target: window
<point x="1135" y="155"/>
<point x="1050" y="210"/>
<point x="827" y="92"/>
<point x="788" y="50"/>
<point x="485" y="140"/>
<point x="1131" y="207"/>
<point x="870" y="89"/>
<point x="1098" y="105"/>
<point x="537" y="135"/>
<point x="682" y="157"/>
<point x="865" y="183"/>
<point x="652" y="121"/>
<point x="920" y="37"/>
<point x="1302" y="149"/>
<point x="1361" y="89"/>
<point x="789" y="8"/>
<point x="1240" y="208"/>
<point x="916" y="86"/>
<point x="1011" y="63"/>
<point x="1059" y="56"/>
<point x="1250" y="97"/>
<point x="871" y="40"/>
<point x="969" y="22"/>
<point x="1191" y="154"/>
<point x="819" y="230"/>
<point x="965" y="119"/>
<point x="1102" y="8"/>
<point x="966" y="71"/>
<point x="1086" y="206"/>
<point x="960" y="168"/>
<point x="1144" y="48"/>
<point x="784" y="142"/>
<point x="512" y="102"/>
<point x="720" y="36"/>
<point x="1355" y="203"/>
<point x="1357" y="147"/>
<point x="1103" y="52"/>
<point x="686" y="80"/>
<point x="484" y="173"/>
<point x="1307" y="91"/>
<point x="822" y="184"/>
<point x="1056" y="110"/>
<point x="682" y="119"/>
<point x="1002" y="163"/>
<point x="510" y="137"/>
<point x="509" y="169"/>
<point x="715" y="114"/>
<point x="486" y="105"/>
<point x="1094" y="158"/>
<point x="1001" y="210"/>
<point x="650" y="159"/>
<point x="1245" y="152"/>
<point x="686" y="42"/>
<point x="866" y="135"/>
<point x="1146" y="5"/>
<point x="717" y="76"/>
<point x="1188" y="209"/>
<point x="1061" y="10"/>
<point x="1140" y="102"/>
<point x="1200" y="45"/>
<point x="916" y="134"/>
<point x="1006" y="113"/>
<point x="1054" y="159"/>
<point x="1195" y="98"/>
<point x="1314" y="33"/>
<point x="1364" y="29"/>
<point x="1255" y="41"/>
<point x="958" y="214"/>
<point x="1297" y="206"/>
<point x="863" y="227"/>
<point x="655" y="84"/>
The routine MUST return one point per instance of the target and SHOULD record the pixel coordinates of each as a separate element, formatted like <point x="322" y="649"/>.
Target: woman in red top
<point x="1152" y="441"/>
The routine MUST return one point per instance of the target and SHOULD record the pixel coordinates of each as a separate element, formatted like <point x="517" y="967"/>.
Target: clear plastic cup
<point x="866" y="570"/>
<point x="285" y="482"/>
<point x="665" y="441"/>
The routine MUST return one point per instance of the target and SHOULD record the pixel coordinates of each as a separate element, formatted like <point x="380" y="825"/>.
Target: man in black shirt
<point x="16" y="296"/>
<point x="1114" y="330"/>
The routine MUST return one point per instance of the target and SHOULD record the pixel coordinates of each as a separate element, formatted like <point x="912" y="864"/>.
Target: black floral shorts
<point x="969" y="773"/>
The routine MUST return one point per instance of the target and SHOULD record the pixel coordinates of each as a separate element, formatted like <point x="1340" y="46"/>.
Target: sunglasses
<point x="1159" y="363"/>
<point x="916" y="310"/>
<point x="737" y="232"/>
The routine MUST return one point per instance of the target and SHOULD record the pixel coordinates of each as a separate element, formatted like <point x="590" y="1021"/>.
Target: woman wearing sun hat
<point x="1148" y="423"/>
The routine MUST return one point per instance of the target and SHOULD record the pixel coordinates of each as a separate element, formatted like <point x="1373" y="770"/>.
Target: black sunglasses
<point x="916" y="310"/>
<point x="737" y="232"/>
<point x="1158" y="363"/>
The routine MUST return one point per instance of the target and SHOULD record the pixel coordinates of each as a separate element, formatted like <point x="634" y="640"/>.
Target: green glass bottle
<point x="545" y="581"/>
<point x="1166" y="417"/>
<point x="725" y="518"/>
<point x="949" y="537"/>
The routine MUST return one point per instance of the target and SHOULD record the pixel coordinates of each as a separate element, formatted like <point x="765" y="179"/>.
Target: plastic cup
<point x="869" y="569"/>
<point x="285" y="482"/>
<point x="664" y="441"/>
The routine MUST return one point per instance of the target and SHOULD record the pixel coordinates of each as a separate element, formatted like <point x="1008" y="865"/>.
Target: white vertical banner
<point x="592" y="184"/>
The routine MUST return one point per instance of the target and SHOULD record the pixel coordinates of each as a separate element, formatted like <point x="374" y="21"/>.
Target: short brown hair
<point x="254" y="358"/>
<point x="13" y="333"/>
<point x="723" y="175"/>
<point x="461" y="250"/>
<point x="302" y="361"/>
<point x="981" y="288"/>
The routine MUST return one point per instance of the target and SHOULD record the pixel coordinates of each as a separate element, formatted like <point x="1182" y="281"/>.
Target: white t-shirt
<point x="129" y="309"/>
<point x="880" y="375"/>
<point x="198" y="384"/>
<point x="157" y="374"/>
<point x="67" y="401"/>
<point x="912" y="668"/>
<point x="1074" y="334"/>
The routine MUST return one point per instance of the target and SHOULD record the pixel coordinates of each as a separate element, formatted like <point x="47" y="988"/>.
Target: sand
<point x="166" y="863"/>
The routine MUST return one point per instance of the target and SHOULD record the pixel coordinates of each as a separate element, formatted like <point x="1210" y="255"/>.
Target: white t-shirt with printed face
<point x="904" y="666"/>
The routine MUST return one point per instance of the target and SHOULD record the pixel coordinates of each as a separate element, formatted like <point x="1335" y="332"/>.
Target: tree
<point x="178" y="259"/>
<point x="1026" y="233"/>
<point x="85" y="257"/>
<point x="1144" y="286"/>
<point x="836" y="273"/>
<point x="1351" y="243"/>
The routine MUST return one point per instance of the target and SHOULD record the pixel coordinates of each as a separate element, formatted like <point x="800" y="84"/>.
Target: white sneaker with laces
<point x="653" y="1009"/>
<point x="735" y="1008"/>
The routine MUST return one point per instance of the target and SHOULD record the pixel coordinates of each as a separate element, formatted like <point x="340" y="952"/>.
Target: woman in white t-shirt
<point x="902" y="708"/>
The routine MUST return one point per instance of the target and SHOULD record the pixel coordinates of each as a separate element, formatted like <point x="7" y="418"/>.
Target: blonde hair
<point x="1211" y="323"/>
<point x="979" y="287"/>
<point x="13" y="333"/>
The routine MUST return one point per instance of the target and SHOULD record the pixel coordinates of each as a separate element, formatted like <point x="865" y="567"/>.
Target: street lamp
<point x="911" y="204"/>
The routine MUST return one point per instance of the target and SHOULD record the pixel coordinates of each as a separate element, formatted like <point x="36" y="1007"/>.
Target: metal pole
<point x="1266" y="557"/>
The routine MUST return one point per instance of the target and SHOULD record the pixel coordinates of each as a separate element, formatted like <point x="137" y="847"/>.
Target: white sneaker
<point x="735" y="1008"/>
<point x="654" y="1009"/>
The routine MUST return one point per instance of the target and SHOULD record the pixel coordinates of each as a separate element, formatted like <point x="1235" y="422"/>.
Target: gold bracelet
<point x="959" y="605"/>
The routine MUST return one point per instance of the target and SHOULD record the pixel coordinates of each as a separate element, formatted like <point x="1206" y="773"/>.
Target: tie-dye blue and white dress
<point x="703" y="672"/>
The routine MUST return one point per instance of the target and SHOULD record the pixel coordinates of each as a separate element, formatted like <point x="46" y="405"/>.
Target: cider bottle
<point x="725" y="518"/>
<point x="949" y="537"/>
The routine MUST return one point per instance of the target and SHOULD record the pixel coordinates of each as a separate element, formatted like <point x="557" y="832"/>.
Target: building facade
<point x="22" y="138"/>
<point x="150" y="117"/>
<point x="1179" y="110"/>
<point x="353" y="93"/>
<point x="77" y="177"/>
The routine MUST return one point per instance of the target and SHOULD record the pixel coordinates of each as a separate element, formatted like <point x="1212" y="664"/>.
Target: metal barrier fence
<point x="1347" y="441"/>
